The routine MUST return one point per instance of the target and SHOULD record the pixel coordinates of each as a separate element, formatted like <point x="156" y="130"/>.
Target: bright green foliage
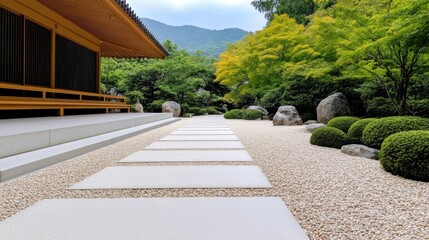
<point x="234" y="114"/>
<point x="377" y="51"/>
<point x="356" y="129"/>
<point x="379" y="35"/>
<point x="134" y="96"/>
<point x="342" y="123"/>
<point x="407" y="154"/>
<point x="329" y="137"/>
<point x="378" y="130"/>
<point x="181" y="77"/>
<point x="243" y="114"/>
<point x="297" y="9"/>
<point x="212" y="110"/>
<point x="258" y="62"/>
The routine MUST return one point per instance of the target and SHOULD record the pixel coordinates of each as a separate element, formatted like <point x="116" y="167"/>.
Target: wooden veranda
<point x="50" y="52"/>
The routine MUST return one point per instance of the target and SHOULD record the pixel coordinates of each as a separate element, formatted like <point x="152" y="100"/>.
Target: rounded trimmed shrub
<point x="329" y="137"/>
<point x="342" y="123"/>
<point x="407" y="154"/>
<point x="252" y="114"/>
<point x="197" y="111"/>
<point x="376" y="131"/>
<point x="234" y="114"/>
<point x="212" y="110"/>
<point x="356" y="129"/>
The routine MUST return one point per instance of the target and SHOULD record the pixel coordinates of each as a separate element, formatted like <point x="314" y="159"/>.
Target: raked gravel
<point x="332" y="195"/>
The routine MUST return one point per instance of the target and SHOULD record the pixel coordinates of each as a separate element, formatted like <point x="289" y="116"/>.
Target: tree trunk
<point x="401" y="101"/>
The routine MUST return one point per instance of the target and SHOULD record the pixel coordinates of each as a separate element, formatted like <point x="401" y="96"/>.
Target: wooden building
<point x="50" y="52"/>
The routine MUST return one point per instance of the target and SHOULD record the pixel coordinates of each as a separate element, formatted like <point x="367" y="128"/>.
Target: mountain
<point x="191" y="38"/>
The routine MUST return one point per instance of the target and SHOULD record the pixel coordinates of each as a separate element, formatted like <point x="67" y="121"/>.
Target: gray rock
<point x="287" y="115"/>
<point x="310" y="128"/>
<point x="138" y="107"/>
<point x="360" y="151"/>
<point x="310" y="122"/>
<point x="259" y="108"/>
<point x="172" y="107"/>
<point x="225" y="107"/>
<point x="333" y="106"/>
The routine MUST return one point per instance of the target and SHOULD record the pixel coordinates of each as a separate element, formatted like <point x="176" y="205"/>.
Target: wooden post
<point x="98" y="83"/>
<point x="53" y="47"/>
<point x="24" y="50"/>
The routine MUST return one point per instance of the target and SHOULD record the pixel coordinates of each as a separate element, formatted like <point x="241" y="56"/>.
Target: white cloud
<point x="212" y="14"/>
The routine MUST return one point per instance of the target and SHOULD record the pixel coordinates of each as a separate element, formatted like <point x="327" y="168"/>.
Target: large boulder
<point x="287" y="115"/>
<point x="311" y="127"/>
<point x="333" y="106"/>
<point x="360" y="151"/>
<point x="259" y="108"/>
<point x="138" y="107"/>
<point x="172" y="107"/>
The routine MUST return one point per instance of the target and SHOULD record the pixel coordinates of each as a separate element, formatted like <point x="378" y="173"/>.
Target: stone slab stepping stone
<point x="204" y="126"/>
<point x="196" y="145"/>
<point x="205" y="129"/>
<point x="154" y="219"/>
<point x="199" y="138"/>
<point x="136" y="177"/>
<point x="202" y="133"/>
<point x="189" y="156"/>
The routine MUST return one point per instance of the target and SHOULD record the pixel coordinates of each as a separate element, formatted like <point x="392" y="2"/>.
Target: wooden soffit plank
<point x="110" y="23"/>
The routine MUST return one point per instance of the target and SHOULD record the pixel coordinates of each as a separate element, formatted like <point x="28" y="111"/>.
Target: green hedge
<point x="329" y="137"/>
<point x="252" y="114"/>
<point x="342" y="123"/>
<point x="407" y="154"/>
<point x="212" y="110"/>
<point x="197" y="111"/>
<point x="356" y="129"/>
<point x="234" y="114"/>
<point x="376" y="131"/>
<point x="243" y="114"/>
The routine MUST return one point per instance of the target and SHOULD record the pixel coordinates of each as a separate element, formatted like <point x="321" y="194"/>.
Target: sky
<point x="210" y="14"/>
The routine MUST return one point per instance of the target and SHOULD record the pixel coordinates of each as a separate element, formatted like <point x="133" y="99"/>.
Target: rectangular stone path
<point x="205" y="126"/>
<point x="254" y="218"/>
<point x="199" y="138"/>
<point x="196" y="145"/>
<point x="154" y="219"/>
<point x="188" y="156"/>
<point x="132" y="177"/>
<point x="205" y="129"/>
<point x="218" y="132"/>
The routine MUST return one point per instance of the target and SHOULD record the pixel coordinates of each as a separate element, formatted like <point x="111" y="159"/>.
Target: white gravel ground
<point x="332" y="195"/>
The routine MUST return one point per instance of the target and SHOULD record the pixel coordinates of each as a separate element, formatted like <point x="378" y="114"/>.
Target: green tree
<point x="385" y="37"/>
<point x="179" y="77"/>
<point x="297" y="9"/>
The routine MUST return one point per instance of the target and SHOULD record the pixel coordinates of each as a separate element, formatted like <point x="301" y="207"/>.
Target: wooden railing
<point x="51" y="98"/>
